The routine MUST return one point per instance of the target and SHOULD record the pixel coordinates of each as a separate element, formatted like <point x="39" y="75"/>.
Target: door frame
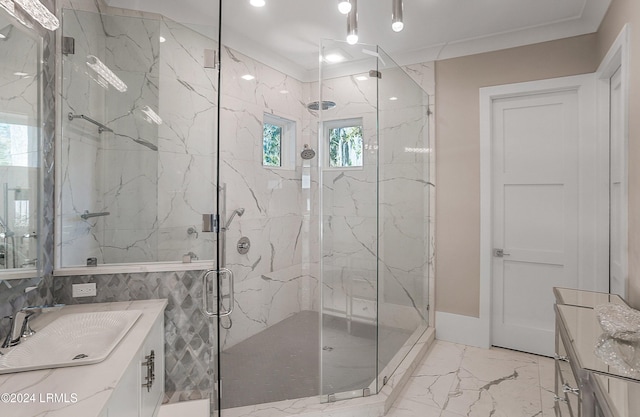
<point x="616" y="57"/>
<point x="588" y="127"/>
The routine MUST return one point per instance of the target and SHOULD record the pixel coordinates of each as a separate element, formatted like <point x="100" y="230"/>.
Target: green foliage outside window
<point x="345" y="146"/>
<point x="271" y="145"/>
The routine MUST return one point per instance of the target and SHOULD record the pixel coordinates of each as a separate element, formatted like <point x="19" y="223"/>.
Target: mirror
<point x="20" y="155"/>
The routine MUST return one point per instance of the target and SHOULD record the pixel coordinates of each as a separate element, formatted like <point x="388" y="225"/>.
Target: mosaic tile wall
<point x="188" y="333"/>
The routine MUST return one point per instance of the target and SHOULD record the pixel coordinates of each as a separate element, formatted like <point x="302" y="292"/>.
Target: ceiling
<point x="286" y="33"/>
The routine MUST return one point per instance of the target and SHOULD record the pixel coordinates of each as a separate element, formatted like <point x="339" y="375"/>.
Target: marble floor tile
<point x="547" y="386"/>
<point x="463" y="381"/>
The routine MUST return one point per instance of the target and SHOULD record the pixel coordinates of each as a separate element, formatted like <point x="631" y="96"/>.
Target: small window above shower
<point x="278" y="142"/>
<point x="344" y="143"/>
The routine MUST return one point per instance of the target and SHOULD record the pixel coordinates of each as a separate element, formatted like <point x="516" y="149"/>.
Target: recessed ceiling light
<point x="257" y="3"/>
<point x="362" y="78"/>
<point x="20" y="74"/>
<point x="248" y="77"/>
<point x="334" y="58"/>
<point x="2" y="36"/>
<point x="162" y="39"/>
<point x="393" y="98"/>
<point x="284" y="92"/>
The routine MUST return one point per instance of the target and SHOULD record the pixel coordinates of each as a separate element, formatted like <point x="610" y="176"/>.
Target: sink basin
<point x="70" y="340"/>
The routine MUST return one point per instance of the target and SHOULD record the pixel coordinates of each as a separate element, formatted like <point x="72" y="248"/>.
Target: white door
<point x="539" y="148"/>
<point x="617" y="187"/>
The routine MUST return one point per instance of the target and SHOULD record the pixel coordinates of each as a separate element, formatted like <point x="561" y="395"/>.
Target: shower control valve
<point x="243" y="246"/>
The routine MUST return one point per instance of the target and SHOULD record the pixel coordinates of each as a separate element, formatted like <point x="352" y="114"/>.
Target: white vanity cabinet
<point x="139" y="392"/>
<point x="116" y="387"/>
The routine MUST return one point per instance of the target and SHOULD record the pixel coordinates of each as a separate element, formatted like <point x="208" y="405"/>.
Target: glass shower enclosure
<point x="312" y="273"/>
<point x="325" y="189"/>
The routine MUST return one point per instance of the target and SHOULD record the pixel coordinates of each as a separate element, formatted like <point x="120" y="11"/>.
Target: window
<point x="14" y="145"/>
<point x="278" y="142"/>
<point x="271" y="145"/>
<point x="345" y="143"/>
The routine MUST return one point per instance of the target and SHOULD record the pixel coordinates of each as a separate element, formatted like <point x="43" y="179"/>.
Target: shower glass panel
<point x="138" y="139"/>
<point x="348" y="199"/>
<point x="138" y="155"/>
<point x="403" y="218"/>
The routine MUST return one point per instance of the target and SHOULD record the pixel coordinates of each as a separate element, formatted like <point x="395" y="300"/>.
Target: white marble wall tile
<point x="188" y="93"/>
<point x="181" y="197"/>
<point x="174" y="242"/>
<point x="268" y="87"/>
<point x="127" y="246"/>
<point x="423" y="74"/>
<point x="132" y="43"/>
<point x="262" y="191"/>
<point x="280" y="251"/>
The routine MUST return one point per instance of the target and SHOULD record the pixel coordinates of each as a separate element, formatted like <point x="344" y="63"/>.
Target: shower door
<point x="269" y="343"/>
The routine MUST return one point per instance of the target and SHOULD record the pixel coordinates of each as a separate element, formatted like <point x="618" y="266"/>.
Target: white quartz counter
<point x="77" y="391"/>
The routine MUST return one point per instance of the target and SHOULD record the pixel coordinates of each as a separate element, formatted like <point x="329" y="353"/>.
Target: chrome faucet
<point x="20" y="327"/>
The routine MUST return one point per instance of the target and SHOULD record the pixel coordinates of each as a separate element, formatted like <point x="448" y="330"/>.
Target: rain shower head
<point x="307" y="153"/>
<point x="326" y="105"/>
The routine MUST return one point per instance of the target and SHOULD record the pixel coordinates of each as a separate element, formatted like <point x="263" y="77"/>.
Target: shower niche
<point x="137" y="149"/>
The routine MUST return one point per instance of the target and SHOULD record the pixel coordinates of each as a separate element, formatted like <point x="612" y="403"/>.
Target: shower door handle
<point x="222" y="312"/>
<point x="232" y="298"/>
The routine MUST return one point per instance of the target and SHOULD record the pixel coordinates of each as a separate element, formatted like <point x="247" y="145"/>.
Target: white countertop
<point x="77" y="391"/>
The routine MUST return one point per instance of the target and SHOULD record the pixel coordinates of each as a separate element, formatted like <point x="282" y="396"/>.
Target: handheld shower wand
<point x="239" y="212"/>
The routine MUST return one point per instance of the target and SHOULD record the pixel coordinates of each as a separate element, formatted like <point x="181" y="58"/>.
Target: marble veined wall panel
<point x="187" y="142"/>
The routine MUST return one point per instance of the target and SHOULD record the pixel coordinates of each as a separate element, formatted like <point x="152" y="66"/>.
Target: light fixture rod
<point x="397" y="22"/>
<point x="352" y="24"/>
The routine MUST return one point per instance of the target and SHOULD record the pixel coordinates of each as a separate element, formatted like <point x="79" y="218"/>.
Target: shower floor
<point x="283" y="361"/>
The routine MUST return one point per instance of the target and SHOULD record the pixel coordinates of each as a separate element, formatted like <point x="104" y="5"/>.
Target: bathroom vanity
<point x="128" y="383"/>
<point x="585" y="386"/>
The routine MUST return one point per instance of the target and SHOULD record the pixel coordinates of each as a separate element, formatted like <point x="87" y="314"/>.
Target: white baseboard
<point x="462" y="329"/>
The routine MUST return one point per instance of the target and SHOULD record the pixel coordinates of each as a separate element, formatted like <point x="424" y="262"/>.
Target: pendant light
<point x="396" y="16"/>
<point x="352" y="24"/>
